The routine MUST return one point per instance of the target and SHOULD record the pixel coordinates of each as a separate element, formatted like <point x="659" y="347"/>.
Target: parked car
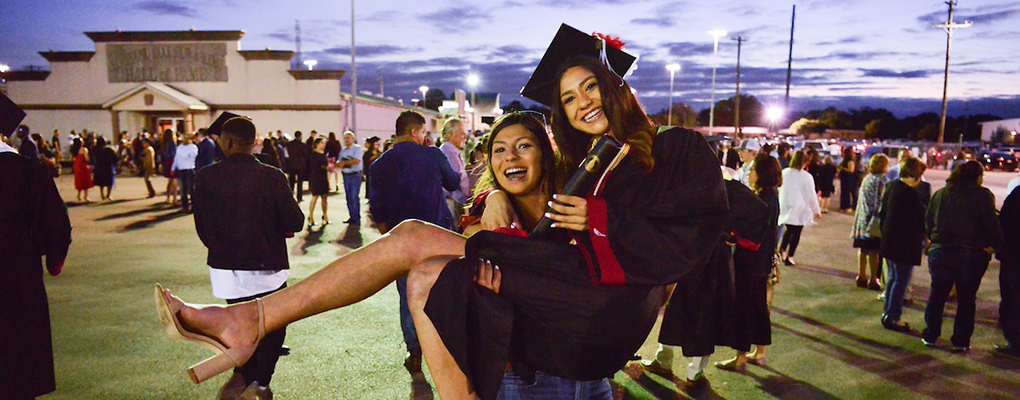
<point x="997" y="159"/>
<point x="893" y="152"/>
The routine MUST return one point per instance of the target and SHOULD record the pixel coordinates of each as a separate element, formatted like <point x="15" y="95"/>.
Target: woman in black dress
<point x="847" y="181"/>
<point x="105" y="168"/>
<point x="826" y="175"/>
<point x="318" y="180"/>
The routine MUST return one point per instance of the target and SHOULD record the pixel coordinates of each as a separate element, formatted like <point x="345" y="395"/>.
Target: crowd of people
<point x="673" y="221"/>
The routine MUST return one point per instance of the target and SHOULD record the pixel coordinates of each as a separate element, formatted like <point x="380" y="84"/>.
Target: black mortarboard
<point x="568" y="43"/>
<point x="10" y="115"/>
<point x="372" y="139"/>
<point x="217" y="125"/>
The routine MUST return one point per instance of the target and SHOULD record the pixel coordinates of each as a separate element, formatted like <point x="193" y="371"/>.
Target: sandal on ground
<point x="225" y="358"/>
<point x="862" y="282"/>
<point x="325" y="221"/>
<point x="731" y="365"/>
<point x="759" y="361"/>
<point x="874" y="285"/>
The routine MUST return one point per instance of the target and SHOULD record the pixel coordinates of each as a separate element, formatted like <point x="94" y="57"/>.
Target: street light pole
<point x="354" y="79"/>
<point x="672" y="71"/>
<point x="716" y="34"/>
<point x="472" y="81"/>
<point x="423" y="89"/>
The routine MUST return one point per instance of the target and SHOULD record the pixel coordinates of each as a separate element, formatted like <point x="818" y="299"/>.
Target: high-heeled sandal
<point x="325" y="221"/>
<point x="225" y="358"/>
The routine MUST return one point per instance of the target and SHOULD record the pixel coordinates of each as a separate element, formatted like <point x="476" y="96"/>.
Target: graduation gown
<point x="700" y="314"/>
<point x="33" y="223"/>
<point x="579" y="311"/>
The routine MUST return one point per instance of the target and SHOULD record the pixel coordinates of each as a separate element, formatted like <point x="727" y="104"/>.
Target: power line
<point x="949" y="27"/>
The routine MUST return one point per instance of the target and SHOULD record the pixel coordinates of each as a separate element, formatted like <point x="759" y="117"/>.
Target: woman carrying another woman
<point x="867" y="230"/>
<point x="576" y="312"/>
<point x="798" y="205"/>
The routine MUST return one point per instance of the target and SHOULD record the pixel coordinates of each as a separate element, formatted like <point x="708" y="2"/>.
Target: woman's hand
<point x="571" y="212"/>
<point x="488" y="276"/>
<point x="498" y="212"/>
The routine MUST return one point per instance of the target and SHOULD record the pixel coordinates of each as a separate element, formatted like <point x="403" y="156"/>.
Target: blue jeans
<point x="553" y="388"/>
<point x="406" y="322"/>
<point x="964" y="268"/>
<point x="186" y="181"/>
<point x="352" y="191"/>
<point x="895" y="288"/>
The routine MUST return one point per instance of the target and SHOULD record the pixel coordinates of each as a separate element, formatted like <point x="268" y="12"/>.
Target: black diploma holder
<point x="604" y="155"/>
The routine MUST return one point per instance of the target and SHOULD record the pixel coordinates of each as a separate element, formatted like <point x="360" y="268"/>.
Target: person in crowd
<point x="410" y="170"/>
<point x="297" y="164"/>
<point x="372" y="153"/>
<point x="168" y="149"/>
<point x="783" y="154"/>
<point x="206" y="150"/>
<point x="183" y="167"/>
<point x="1013" y="183"/>
<point x="752" y="268"/>
<point x="333" y="148"/>
<point x="476" y="163"/>
<point x="825" y="183"/>
<point x="28" y="147"/>
<point x="82" y="173"/>
<point x="270" y="155"/>
<point x="798" y="204"/>
<point x="232" y="196"/>
<point x="1009" y="276"/>
<point x="47" y="156"/>
<point x="847" y="179"/>
<point x="964" y="232"/>
<point x="105" y="169"/>
<point x="318" y="180"/>
<point x="747" y="151"/>
<point x="640" y="194"/>
<point x="867" y="230"/>
<point x="55" y="142"/>
<point x="453" y="148"/>
<point x="35" y="224"/>
<point x="388" y="144"/>
<point x="903" y="237"/>
<point x="352" y="167"/>
<point x="148" y="165"/>
<point x="894" y="170"/>
<point x="729" y="157"/>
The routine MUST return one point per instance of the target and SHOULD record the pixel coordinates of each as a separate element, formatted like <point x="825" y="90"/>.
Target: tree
<point x="513" y="106"/>
<point x="434" y="99"/>
<point x="752" y="112"/>
<point x="683" y="115"/>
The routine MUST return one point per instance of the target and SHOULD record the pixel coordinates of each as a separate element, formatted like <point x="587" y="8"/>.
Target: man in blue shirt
<point x="407" y="183"/>
<point x="206" y="151"/>
<point x="351" y="166"/>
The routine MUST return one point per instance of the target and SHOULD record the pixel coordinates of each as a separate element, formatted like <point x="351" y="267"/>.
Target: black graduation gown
<point x="699" y="315"/>
<point x="580" y="311"/>
<point x="33" y="223"/>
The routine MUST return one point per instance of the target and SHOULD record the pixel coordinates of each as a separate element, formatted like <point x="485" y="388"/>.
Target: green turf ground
<point x="828" y="343"/>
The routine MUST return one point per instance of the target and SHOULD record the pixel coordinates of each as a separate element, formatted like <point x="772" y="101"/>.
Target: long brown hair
<point x="627" y="120"/>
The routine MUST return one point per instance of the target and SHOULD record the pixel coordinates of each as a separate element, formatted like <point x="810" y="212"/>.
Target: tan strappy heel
<point x="225" y="358"/>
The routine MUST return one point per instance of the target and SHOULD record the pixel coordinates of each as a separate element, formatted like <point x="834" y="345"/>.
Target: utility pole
<point x="736" y="108"/>
<point x="354" y="79"/>
<point x="949" y="26"/>
<point x="378" y="74"/>
<point x="789" y="62"/>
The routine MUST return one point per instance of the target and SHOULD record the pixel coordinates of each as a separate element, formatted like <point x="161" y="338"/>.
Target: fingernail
<point x="548" y="215"/>
<point x="550" y="204"/>
<point x="556" y="196"/>
<point x="553" y="226"/>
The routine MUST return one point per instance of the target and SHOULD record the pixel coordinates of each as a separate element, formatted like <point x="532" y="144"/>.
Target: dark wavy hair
<point x="550" y="176"/>
<point x="966" y="173"/>
<point x="770" y="173"/>
<point x="627" y="120"/>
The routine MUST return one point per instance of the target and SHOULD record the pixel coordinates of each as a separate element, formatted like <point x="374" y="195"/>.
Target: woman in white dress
<point x="798" y="205"/>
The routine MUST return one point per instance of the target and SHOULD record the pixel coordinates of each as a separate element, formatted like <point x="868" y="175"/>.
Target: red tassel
<point x="611" y="40"/>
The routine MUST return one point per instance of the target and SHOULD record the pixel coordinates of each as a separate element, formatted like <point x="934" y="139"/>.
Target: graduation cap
<point x="569" y="43"/>
<point x="217" y="126"/>
<point x="10" y="116"/>
<point x="372" y="139"/>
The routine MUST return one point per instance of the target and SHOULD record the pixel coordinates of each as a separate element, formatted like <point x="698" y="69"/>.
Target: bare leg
<point x="862" y="266"/>
<point x="325" y="203"/>
<point x="347" y="280"/>
<point x="311" y="210"/>
<point x="451" y="382"/>
<point x="873" y="262"/>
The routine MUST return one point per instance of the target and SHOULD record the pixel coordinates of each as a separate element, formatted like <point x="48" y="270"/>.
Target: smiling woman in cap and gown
<point x="575" y="308"/>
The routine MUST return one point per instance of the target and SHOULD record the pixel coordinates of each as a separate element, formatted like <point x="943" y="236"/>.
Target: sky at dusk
<point x="847" y="53"/>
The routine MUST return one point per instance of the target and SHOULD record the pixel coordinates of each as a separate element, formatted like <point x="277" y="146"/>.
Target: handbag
<point x="875" y="228"/>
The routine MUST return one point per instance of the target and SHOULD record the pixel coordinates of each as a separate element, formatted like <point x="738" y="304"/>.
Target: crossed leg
<point x="412" y="246"/>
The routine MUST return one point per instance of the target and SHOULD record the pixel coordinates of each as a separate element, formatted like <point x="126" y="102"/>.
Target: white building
<point x="181" y="80"/>
<point x="1009" y="126"/>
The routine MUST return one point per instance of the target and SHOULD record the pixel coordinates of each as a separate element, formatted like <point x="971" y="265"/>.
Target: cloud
<point x="886" y="73"/>
<point x="371" y="50"/>
<point x="660" y="22"/>
<point x="163" y="7"/>
<point x="513" y="51"/>
<point x="457" y="18"/>
<point x="939" y="17"/>
<point x="688" y="48"/>
<point x="846" y="40"/>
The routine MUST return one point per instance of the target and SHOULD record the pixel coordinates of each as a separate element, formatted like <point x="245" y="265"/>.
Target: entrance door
<point x="161" y="124"/>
